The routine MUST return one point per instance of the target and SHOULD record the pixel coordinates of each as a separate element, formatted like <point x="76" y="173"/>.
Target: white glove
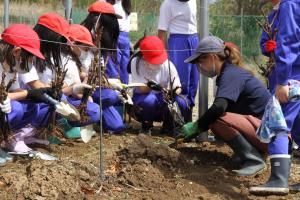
<point x="115" y="83"/>
<point x="79" y="87"/>
<point x="6" y="107"/>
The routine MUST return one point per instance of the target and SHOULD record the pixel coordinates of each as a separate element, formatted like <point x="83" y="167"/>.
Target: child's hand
<point x="282" y="93"/>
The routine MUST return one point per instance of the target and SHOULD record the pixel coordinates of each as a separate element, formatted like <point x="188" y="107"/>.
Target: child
<point x="18" y="45"/>
<point x="154" y="65"/>
<point x="123" y="8"/>
<point x="83" y="45"/>
<point x="178" y="18"/>
<point x="287" y="68"/>
<point x="53" y="31"/>
<point x="102" y="16"/>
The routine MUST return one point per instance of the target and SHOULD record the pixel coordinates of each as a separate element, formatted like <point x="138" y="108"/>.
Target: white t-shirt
<point x="9" y="76"/>
<point x="124" y="23"/>
<point x="157" y="73"/>
<point x="72" y="75"/>
<point x="27" y="77"/>
<point x="178" y="17"/>
<point x="87" y="61"/>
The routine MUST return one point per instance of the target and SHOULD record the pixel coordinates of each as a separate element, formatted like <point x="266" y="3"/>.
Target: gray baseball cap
<point x="210" y="44"/>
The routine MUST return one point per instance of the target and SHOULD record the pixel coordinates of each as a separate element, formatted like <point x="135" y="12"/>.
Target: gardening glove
<point x="5" y="106"/>
<point x="270" y="45"/>
<point x="115" y="83"/>
<point x="188" y="131"/>
<point x="154" y="86"/>
<point x="37" y="95"/>
<point x="79" y="87"/>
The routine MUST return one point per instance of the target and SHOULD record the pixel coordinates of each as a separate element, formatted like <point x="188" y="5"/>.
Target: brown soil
<point x="136" y="167"/>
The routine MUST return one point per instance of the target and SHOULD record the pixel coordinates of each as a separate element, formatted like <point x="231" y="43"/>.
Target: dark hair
<point x="66" y="49"/>
<point x="6" y="54"/>
<point x="126" y="4"/>
<point x="136" y="52"/>
<point x="111" y="1"/>
<point x="110" y="33"/>
<point x="51" y="45"/>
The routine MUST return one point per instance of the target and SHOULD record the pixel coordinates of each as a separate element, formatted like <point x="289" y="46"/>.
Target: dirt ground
<point x="136" y="167"/>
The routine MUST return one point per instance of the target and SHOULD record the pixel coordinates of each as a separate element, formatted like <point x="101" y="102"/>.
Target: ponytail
<point x="233" y="56"/>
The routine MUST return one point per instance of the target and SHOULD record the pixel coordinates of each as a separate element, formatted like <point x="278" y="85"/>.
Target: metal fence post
<point x="68" y="9"/>
<point x="6" y="13"/>
<point x="203" y="32"/>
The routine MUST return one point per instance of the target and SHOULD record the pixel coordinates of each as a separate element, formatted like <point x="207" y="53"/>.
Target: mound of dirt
<point x="136" y="167"/>
<point x="145" y="147"/>
<point x="51" y="180"/>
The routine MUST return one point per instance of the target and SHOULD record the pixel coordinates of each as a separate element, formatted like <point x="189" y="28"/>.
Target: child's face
<point x="17" y="53"/>
<point x="77" y="48"/>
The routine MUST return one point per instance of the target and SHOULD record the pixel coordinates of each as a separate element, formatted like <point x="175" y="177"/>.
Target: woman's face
<point x="206" y="65"/>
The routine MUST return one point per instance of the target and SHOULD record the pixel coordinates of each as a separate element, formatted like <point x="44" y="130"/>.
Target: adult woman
<point x="239" y="103"/>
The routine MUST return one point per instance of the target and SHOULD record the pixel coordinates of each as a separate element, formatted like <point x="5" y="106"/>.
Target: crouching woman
<point x="238" y="105"/>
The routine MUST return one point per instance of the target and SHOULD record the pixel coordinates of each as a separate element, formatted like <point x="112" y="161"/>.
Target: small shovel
<point x="65" y="109"/>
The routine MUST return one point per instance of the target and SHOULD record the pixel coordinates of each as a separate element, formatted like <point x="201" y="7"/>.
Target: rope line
<point x="94" y="48"/>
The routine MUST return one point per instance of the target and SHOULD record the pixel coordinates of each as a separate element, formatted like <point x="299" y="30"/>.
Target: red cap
<point x="80" y="34"/>
<point x="103" y="7"/>
<point x="55" y="23"/>
<point x="153" y="50"/>
<point x="23" y="36"/>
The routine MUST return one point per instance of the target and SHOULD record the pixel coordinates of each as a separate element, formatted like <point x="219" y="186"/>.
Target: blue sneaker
<point x="69" y="131"/>
<point x="54" y="140"/>
<point x="2" y="161"/>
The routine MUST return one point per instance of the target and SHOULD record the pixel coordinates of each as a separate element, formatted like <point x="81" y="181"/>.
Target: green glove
<point x="189" y="131"/>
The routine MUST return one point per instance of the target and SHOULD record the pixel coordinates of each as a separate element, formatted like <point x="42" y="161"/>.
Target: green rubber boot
<point x="69" y="131"/>
<point x="54" y="140"/>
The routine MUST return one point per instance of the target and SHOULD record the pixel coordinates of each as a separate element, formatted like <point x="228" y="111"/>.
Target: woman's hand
<point x="189" y="131"/>
<point x="282" y="93"/>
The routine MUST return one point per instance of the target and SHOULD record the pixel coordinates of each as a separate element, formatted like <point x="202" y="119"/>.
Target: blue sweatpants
<point x="112" y="120"/>
<point x="291" y="112"/>
<point x="123" y="55"/>
<point x="118" y="69"/>
<point x="188" y="73"/>
<point x="153" y="106"/>
<point x="22" y="113"/>
<point x="93" y="113"/>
